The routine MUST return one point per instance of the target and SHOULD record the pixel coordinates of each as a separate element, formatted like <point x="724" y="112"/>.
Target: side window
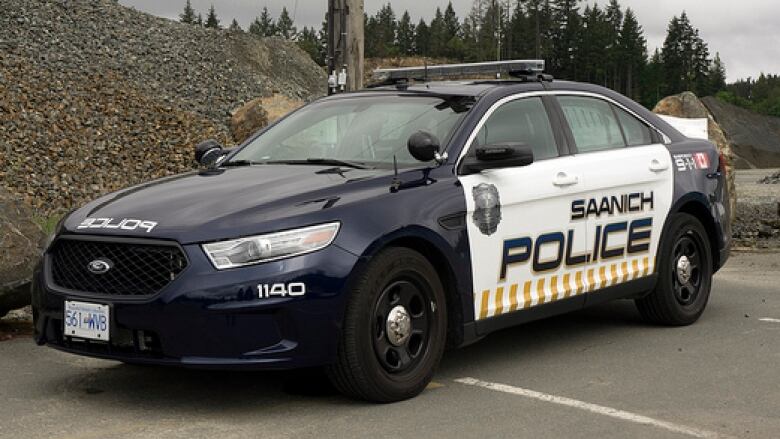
<point x="522" y="121"/>
<point x="592" y="123"/>
<point x="636" y="132"/>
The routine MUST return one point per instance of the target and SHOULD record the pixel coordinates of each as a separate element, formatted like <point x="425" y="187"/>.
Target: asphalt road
<point x="597" y="373"/>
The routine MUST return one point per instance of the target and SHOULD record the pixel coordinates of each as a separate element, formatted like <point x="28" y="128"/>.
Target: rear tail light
<point x="722" y="163"/>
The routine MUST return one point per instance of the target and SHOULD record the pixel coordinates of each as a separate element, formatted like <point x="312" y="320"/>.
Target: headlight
<point x="263" y="248"/>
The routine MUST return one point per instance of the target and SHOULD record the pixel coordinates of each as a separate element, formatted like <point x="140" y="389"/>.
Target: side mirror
<point x="501" y="155"/>
<point x="423" y="146"/>
<point x="207" y="152"/>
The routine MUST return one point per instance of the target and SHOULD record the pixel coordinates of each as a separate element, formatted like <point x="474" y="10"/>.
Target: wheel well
<point x="697" y="210"/>
<point x="447" y="277"/>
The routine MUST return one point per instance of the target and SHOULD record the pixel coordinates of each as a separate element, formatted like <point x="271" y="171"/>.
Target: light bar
<point x="534" y="66"/>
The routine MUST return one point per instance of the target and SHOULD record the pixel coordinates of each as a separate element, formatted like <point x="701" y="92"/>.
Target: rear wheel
<point x="684" y="275"/>
<point x="394" y="329"/>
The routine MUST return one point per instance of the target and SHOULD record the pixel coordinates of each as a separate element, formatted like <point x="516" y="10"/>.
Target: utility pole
<point x="345" y="45"/>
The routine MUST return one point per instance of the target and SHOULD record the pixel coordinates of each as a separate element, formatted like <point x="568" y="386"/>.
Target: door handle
<point x="564" y="179"/>
<point x="658" y="166"/>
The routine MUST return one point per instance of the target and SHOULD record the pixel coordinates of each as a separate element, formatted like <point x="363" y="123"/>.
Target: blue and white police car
<point x="367" y="232"/>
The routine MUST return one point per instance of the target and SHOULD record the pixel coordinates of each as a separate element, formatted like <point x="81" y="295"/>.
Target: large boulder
<point x="687" y="105"/>
<point x="21" y="240"/>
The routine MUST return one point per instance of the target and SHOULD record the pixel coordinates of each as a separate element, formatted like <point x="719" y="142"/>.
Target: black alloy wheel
<point x="685" y="268"/>
<point x="402" y="324"/>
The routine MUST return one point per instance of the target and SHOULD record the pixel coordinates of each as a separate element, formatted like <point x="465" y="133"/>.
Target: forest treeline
<point x="580" y="41"/>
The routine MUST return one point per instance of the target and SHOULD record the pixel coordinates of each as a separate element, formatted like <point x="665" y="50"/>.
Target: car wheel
<point x="394" y="329"/>
<point x="684" y="275"/>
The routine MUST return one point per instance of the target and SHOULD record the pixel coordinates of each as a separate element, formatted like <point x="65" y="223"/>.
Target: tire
<point x="371" y="364"/>
<point x="675" y="301"/>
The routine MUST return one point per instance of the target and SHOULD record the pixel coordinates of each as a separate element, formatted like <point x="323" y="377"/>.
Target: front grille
<point x="135" y="269"/>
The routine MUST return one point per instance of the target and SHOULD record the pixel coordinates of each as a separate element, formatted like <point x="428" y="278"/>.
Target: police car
<point x="367" y="232"/>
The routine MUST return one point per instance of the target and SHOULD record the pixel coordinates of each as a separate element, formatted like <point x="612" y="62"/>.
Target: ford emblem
<point x="99" y="266"/>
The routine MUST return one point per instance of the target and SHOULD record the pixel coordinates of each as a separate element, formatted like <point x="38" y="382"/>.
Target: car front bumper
<point x="214" y="319"/>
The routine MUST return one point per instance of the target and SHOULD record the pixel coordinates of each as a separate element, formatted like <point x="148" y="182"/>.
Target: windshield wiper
<point x="322" y="161"/>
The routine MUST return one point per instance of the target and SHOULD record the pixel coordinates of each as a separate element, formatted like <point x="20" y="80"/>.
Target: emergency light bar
<point x="516" y="68"/>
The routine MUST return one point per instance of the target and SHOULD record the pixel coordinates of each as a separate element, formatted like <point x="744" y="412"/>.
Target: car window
<point x="636" y="132"/>
<point x="592" y="122"/>
<point x="520" y="121"/>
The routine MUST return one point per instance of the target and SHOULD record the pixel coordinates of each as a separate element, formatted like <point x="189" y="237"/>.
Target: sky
<point x="746" y="33"/>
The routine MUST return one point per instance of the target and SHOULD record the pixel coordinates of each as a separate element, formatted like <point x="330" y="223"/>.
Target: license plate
<point x="87" y="320"/>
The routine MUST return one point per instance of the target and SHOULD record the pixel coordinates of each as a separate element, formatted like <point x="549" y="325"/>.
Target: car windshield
<point x="364" y="131"/>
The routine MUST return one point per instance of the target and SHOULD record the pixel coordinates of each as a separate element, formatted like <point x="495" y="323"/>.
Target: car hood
<point x="230" y="202"/>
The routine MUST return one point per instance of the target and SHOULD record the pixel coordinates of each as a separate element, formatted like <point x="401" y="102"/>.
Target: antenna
<point x="396" y="184"/>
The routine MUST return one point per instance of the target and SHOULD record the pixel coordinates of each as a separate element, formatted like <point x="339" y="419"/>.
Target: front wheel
<point x="394" y="329"/>
<point x="684" y="275"/>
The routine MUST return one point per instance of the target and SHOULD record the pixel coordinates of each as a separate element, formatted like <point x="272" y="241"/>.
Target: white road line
<point x="593" y="408"/>
<point x="769" y="319"/>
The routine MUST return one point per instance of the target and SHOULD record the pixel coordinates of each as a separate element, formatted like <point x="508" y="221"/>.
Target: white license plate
<point x="87" y="320"/>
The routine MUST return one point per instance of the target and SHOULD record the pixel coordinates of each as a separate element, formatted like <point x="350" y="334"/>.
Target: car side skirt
<point x="629" y="290"/>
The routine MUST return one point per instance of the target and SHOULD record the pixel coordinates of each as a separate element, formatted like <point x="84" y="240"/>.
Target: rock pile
<point x="95" y="96"/>
<point x="757" y="225"/>
<point x="771" y="179"/>
<point x="20" y="248"/>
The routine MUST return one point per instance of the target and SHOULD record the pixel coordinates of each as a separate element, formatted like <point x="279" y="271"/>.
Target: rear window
<point x="593" y="123"/>
<point x="636" y="132"/>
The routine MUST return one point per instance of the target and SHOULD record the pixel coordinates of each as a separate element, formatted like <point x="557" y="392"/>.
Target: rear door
<point x="627" y="189"/>
<point x="518" y="217"/>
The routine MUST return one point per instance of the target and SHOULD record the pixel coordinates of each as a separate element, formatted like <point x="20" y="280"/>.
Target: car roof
<point x="504" y="87"/>
<point x="477" y="88"/>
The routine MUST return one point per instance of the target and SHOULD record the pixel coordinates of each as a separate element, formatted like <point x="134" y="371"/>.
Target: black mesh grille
<point x="136" y="269"/>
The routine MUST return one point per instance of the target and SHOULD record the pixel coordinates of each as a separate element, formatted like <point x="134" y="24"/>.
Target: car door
<point x="628" y="189"/>
<point x="518" y="217"/>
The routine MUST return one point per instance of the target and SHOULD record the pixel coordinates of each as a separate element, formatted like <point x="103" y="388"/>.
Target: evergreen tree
<point x="453" y="41"/>
<point x="520" y="41"/>
<point x="310" y="42"/>
<point x="565" y="34"/>
<point x="633" y="53"/>
<point x="372" y="42"/>
<point x="211" y="20"/>
<point x="405" y="35"/>
<point x="385" y="31"/>
<point x="235" y="27"/>
<point x="685" y="58"/>
<point x="539" y="14"/>
<point x="263" y="26"/>
<point x="188" y="16"/>
<point x="591" y="56"/>
<point x="438" y="35"/>
<point x="422" y="39"/>
<point x="653" y="84"/>
<point x="489" y="33"/>
<point x="717" y="75"/>
<point x="285" y="27"/>
<point x="199" y="20"/>
<point x="470" y="30"/>
<point x="614" y="19"/>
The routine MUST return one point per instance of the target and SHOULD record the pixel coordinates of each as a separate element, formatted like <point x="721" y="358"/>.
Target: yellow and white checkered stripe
<point x="538" y="291"/>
